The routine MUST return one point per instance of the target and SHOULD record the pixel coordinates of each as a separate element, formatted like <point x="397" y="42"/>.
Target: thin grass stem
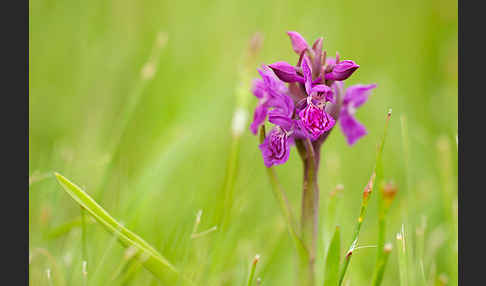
<point x="203" y="233"/>
<point x="229" y="180"/>
<point x="103" y="258"/>
<point x="239" y="120"/>
<point x="84" y="253"/>
<point x="85" y="272"/>
<point x="252" y="270"/>
<point x="378" y="276"/>
<point x="48" y="276"/>
<point x="377" y="173"/>
<point x="146" y="74"/>
<point x="386" y="197"/>
<point x="402" y="258"/>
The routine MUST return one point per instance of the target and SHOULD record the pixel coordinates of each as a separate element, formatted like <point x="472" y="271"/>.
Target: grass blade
<point x="151" y="259"/>
<point x="65" y="228"/>
<point x="378" y="277"/>
<point x="332" y="260"/>
<point x="376" y="176"/>
<point x="238" y="126"/>
<point x="252" y="270"/>
<point x="387" y="194"/>
<point x="402" y="258"/>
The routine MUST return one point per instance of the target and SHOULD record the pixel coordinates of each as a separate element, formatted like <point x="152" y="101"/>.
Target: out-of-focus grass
<point x="154" y="167"/>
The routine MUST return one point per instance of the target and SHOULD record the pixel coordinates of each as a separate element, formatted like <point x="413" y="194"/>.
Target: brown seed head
<point x="369" y="187"/>
<point x="389" y="190"/>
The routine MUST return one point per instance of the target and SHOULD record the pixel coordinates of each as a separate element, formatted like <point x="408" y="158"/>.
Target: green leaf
<point x="151" y="259"/>
<point x="332" y="260"/>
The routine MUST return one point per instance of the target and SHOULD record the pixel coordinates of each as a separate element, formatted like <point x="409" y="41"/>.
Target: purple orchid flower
<point x="275" y="102"/>
<point x="315" y="120"/>
<point x="313" y="117"/>
<point x="276" y="147"/>
<point x="355" y="96"/>
<point x="272" y="94"/>
<point x="301" y="109"/>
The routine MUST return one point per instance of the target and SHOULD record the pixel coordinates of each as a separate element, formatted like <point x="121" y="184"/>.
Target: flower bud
<point x="286" y="72"/>
<point x="342" y="70"/>
<point x="298" y="42"/>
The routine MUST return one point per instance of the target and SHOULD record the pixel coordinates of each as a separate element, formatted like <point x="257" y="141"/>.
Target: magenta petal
<point x="357" y="94"/>
<point x="322" y="92"/>
<point x="298" y="42"/>
<point x="259" y="116"/>
<point x="315" y="121"/>
<point x="307" y="71"/>
<point x="283" y="105"/>
<point x="299" y="130"/>
<point x="282" y="121"/>
<point x="274" y="100"/>
<point x="352" y="129"/>
<point x="275" y="148"/>
<point x="329" y="122"/>
<point x="342" y="70"/>
<point x="267" y="75"/>
<point x="286" y="72"/>
<point x="258" y="88"/>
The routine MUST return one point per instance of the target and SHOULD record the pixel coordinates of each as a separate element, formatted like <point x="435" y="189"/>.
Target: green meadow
<point x="132" y="103"/>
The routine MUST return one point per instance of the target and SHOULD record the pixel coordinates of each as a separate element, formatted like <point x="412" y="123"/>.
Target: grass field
<point x="133" y="102"/>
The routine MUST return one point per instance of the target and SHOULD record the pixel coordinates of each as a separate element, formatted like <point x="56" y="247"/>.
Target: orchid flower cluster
<point x="306" y="100"/>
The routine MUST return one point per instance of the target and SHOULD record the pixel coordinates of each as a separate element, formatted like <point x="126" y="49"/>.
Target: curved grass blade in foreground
<point x="151" y="259"/>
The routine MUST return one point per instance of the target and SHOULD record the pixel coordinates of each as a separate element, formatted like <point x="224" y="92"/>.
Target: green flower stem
<point x="310" y="211"/>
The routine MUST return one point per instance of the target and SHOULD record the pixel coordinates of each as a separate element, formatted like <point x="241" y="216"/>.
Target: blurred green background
<point x="154" y="150"/>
